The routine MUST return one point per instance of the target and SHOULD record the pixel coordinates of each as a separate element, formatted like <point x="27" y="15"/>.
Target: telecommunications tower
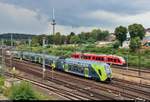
<point x="53" y="22"/>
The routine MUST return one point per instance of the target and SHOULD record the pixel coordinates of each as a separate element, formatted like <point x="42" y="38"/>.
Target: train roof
<point x="82" y="62"/>
<point x="51" y="56"/>
<point x="40" y="54"/>
<point x="101" y="55"/>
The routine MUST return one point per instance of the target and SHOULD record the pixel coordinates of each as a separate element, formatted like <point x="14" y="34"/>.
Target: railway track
<point x="66" y="94"/>
<point x="82" y="91"/>
<point x="90" y="86"/>
<point x="73" y="86"/>
<point x="138" y="76"/>
<point x="144" y="70"/>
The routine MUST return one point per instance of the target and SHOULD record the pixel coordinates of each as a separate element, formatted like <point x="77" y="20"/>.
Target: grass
<point x="42" y="96"/>
<point x="2" y="79"/>
<point x="9" y="92"/>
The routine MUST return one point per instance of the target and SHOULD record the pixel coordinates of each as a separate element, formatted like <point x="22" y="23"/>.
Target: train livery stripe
<point x="66" y="67"/>
<point x="53" y="65"/>
<point x="103" y="76"/>
<point x="86" y="72"/>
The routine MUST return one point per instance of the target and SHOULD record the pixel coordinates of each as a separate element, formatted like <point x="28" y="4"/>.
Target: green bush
<point x="22" y="91"/>
<point x="2" y="79"/>
<point x="6" y="92"/>
<point x="116" y="45"/>
<point x="1" y="84"/>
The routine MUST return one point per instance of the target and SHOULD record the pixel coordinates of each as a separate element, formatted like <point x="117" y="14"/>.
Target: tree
<point x="50" y="39"/>
<point x="91" y="40"/>
<point x="74" y="39"/>
<point x="72" y="34"/>
<point x="103" y="35"/>
<point x="22" y="91"/>
<point x="63" y="39"/>
<point x="135" y="43"/>
<point x="69" y="37"/>
<point x="35" y="41"/>
<point x="57" y="38"/>
<point x="121" y="34"/>
<point x="95" y="33"/>
<point x="136" y="30"/>
<point x="84" y="36"/>
<point x="116" y="44"/>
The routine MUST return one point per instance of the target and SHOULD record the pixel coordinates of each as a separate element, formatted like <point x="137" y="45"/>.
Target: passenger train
<point x="110" y="59"/>
<point x="89" y="69"/>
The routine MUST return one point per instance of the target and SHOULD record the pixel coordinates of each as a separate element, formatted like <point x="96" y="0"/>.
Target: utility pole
<point x="44" y="58"/>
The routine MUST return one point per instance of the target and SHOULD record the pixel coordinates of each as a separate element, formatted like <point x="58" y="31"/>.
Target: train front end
<point x="102" y="72"/>
<point x="108" y="72"/>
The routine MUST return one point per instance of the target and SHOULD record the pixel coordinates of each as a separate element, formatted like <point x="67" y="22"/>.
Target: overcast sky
<point x="34" y="16"/>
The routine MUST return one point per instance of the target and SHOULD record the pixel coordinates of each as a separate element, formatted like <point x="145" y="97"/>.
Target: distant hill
<point x="16" y="36"/>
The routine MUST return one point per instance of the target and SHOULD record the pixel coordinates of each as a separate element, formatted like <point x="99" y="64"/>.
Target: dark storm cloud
<point x="74" y="12"/>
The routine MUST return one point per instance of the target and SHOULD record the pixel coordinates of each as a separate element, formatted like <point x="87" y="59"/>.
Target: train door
<point x="59" y="64"/>
<point x="35" y="59"/>
<point x="40" y="60"/>
<point x="66" y="67"/>
<point x="86" y="72"/>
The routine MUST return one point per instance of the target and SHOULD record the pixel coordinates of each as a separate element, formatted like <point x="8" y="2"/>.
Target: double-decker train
<point x="89" y="69"/>
<point x="110" y="59"/>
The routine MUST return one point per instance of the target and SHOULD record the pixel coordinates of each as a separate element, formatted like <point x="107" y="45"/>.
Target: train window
<point x="109" y="59"/>
<point x="100" y="72"/>
<point x="119" y="60"/>
<point x="102" y="58"/>
<point x="93" y="57"/>
<point x="112" y="60"/>
<point x="88" y="57"/>
<point x="83" y="57"/>
<point x="115" y="60"/>
<point x="96" y="58"/>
